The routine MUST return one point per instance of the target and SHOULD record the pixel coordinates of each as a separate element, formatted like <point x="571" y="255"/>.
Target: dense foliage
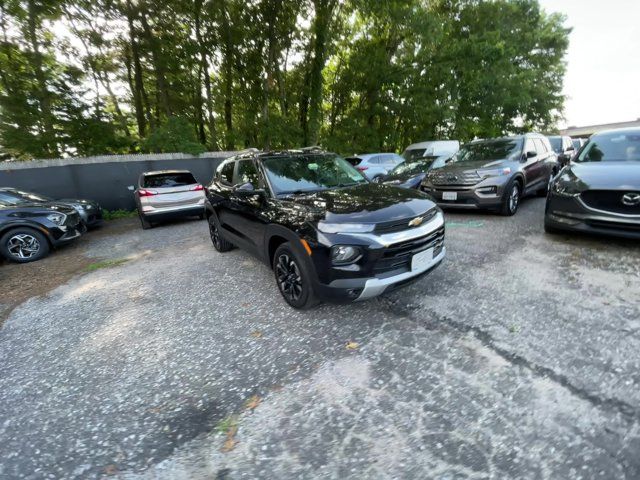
<point x="83" y="77"/>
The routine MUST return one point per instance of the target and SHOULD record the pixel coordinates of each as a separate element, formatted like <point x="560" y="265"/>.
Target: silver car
<point x="167" y="194"/>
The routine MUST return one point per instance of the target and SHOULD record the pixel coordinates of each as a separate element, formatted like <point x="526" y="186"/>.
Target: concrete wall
<point x="104" y="179"/>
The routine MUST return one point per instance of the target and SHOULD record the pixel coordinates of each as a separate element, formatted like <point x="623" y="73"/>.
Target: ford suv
<point x="494" y="174"/>
<point x="326" y="231"/>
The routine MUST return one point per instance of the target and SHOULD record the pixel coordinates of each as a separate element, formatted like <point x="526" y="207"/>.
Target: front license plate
<point x="449" y="195"/>
<point x="421" y="260"/>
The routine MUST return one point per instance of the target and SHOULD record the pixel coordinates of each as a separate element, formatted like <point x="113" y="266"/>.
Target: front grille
<point x="466" y="178"/>
<point x="609" y="201"/>
<point x="398" y="256"/>
<point x="401" y="225"/>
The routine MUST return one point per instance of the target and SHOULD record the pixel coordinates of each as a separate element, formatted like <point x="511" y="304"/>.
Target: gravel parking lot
<point x="517" y="358"/>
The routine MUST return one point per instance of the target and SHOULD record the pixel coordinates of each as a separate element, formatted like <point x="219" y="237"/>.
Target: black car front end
<point x="613" y="212"/>
<point x="599" y="191"/>
<point x="354" y="266"/>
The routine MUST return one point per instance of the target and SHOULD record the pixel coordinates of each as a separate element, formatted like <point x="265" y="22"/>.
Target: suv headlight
<point x="57" y="218"/>
<point x="326" y="227"/>
<point x="565" y="189"/>
<point x="496" y="172"/>
<point x="344" y="254"/>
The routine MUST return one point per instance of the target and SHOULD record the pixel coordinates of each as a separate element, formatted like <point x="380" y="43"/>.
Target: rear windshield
<point x="612" y="147"/>
<point x="353" y="160"/>
<point x="160" y="180"/>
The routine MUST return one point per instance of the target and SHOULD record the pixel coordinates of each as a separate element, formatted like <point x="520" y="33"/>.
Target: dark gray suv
<point x="494" y="173"/>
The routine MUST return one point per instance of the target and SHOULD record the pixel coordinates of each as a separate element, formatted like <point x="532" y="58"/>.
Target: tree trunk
<point x="321" y="23"/>
<point x="137" y="88"/>
<point x="158" y="64"/>
<point x="204" y="70"/>
<point x="44" y="96"/>
<point x="228" y="78"/>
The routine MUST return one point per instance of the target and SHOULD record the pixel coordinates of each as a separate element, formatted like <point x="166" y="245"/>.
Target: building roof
<point x="589" y="130"/>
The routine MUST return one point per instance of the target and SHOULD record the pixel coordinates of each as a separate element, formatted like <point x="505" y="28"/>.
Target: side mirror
<point x="246" y="190"/>
<point x="571" y="148"/>
<point x="131" y="188"/>
<point x="531" y="154"/>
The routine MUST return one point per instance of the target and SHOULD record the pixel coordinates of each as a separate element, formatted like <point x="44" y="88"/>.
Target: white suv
<point x="375" y="166"/>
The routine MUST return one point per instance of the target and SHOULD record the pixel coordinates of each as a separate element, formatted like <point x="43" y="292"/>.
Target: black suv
<point x="327" y="232"/>
<point x="28" y="230"/>
<point x="494" y="173"/>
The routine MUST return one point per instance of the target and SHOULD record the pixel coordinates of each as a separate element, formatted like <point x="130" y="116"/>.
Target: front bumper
<point x="388" y="270"/>
<point x="571" y="214"/>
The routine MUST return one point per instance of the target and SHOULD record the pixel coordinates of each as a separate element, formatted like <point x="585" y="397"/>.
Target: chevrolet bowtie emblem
<point x="416" y="221"/>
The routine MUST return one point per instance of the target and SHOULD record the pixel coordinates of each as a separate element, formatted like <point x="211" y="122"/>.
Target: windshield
<point x="409" y="167"/>
<point x="413" y="153"/>
<point x="503" y="149"/>
<point x="18" y="196"/>
<point x="612" y="147"/>
<point x="309" y="173"/>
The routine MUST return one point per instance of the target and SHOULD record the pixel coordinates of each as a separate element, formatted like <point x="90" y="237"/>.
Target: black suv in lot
<point x="494" y="174"/>
<point x="28" y="230"/>
<point x="327" y="232"/>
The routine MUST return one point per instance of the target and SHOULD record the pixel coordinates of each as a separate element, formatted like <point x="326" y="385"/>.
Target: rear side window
<point x="160" y="180"/>
<point x="353" y="160"/>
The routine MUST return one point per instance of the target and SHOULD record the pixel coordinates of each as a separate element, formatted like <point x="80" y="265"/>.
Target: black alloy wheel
<point x="219" y="243"/>
<point x="293" y="278"/>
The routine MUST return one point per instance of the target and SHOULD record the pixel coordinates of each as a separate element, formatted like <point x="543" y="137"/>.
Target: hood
<point x="368" y="203"/>
<point x="608" y="175"/>
<point x="405" y="180"/>
<point x="477" y="165"/>
<point x="42" y="208"/>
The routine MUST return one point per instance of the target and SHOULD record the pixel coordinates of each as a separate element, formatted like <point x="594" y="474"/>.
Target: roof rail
<point x="315" y="148"/>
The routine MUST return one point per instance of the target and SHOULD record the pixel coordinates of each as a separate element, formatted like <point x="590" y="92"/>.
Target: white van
<point x="440" y="150"/>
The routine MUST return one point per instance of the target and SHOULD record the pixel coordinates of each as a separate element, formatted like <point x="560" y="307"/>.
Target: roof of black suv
<point x="255" y="153"/>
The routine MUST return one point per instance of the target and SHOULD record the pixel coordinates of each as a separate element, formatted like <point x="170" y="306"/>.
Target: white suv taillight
<point x="146" y="193"/>
<point x="197" y="188"/>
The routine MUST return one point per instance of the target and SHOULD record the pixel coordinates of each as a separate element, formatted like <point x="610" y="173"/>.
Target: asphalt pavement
<point x="519" y="357"/>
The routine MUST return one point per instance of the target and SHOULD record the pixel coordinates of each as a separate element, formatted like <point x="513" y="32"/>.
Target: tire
<point x="201" y="216"/>
<point x="509" y="207"/>
<point x="146" y="224"/>
<point x="219" y="243"/>
<point x="24" y="245"/>
<point x="293" y="278"/>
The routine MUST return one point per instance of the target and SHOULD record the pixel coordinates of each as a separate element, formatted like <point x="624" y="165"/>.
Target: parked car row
<point x="330" y="232"/>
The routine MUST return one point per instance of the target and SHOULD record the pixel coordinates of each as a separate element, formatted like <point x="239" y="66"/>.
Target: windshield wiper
<point x="297" y="192"/>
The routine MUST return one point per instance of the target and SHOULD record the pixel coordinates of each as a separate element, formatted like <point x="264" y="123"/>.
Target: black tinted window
<point x="247" y="172"/>
<point x="612" y="147"/>
<point x="353" y="160"/>
<point x="502" y="149"/>
<point x="414" y="153"/>
<point x="168" y="180"/>
<point x="225" y="172"/>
